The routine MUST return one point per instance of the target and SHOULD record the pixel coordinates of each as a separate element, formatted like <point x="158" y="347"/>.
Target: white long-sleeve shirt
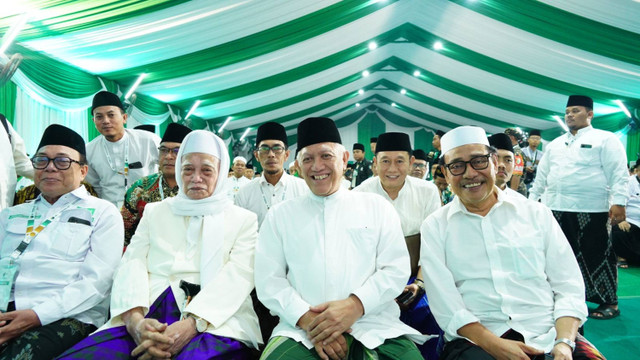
<point x="586" y="172"/>
<point x="416" y="200"/>
<point x="633" y="202"/>
<point x="13" y="162"/>
<point x="67" y="270"/>
<point x="259" y="196"/>
<point x="233" y="185"/>
<point x="107" y="177"/>
<point x="316" y="249"/>
<point x="511" y="269"/>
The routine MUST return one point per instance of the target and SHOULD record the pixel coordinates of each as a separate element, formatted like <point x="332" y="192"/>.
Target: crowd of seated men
<point x="303" y="269"/>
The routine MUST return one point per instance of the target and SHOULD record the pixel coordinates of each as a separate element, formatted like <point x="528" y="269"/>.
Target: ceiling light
<point x="437" y="45"/>
<point x="373" y="45"/>
<point x="360" y="91"/>
<point x="416" y="73"/>
<point x="393" y="104"/>
<point x="135" y="86"/>
<point x="403" y="91"/>
<point x="224" y="124"/>
<point x="357" y="104"/>
<point x="562" y="124"/>
<point x="10" y="35"/>
<point x="365" y="73"/>
<point x="193" y="108"/>
<point x="624" y="108"/>
<point x="245" y="134"/>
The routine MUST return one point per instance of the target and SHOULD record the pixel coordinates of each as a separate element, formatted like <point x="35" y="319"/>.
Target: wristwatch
<point x="201" y="324"/>
<point x="569" y="342"/>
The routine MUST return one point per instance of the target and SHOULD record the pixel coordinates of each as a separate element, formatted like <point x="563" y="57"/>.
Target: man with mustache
<point x="501" y="278"/>
<point x="155" y="187"/>
<point x="119" y="156"/>
<point x="583" y="178"/>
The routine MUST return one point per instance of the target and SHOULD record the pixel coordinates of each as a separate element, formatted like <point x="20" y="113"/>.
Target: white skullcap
<point x="463" y="135"/>
<point x="241" y="158"/>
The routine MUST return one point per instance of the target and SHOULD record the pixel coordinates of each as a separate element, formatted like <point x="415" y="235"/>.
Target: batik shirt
<point x="144" y="191"/>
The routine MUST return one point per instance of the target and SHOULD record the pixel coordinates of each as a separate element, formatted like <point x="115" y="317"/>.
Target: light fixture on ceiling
<point x="562" y="124"/>
<point x="437" y="45"/>
<point x="244" y="135"/>
<point x="403" y="91"/>
<point x="224" y="124"/>
<point x="135" y="86"/>
<point x="624" y="108"/>
<point x="357" y="104"/>
<point x="373" y="45"/>
<point x="365" y="73"/>
<point x="361" y="91"/>
<point x="14" y="30"/>
<point x="416" y="73"/>
<point x="193" y="108"/>
<point x="393" y="104"/>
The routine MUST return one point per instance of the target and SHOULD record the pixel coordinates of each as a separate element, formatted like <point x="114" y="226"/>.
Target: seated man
<point x="197" y="239"/>
<point x="625" y="237"/>
<point x="501" y="277"/>
<point x="330" y="276"/>
<point x="60" y="293"/>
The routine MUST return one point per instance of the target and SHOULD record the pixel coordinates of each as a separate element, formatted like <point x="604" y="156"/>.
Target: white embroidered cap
<point x="463" y="135"/>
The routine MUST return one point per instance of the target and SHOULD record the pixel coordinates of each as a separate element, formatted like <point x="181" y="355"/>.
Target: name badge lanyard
<point x="264" y="197"/>
<point x="112" y="164"/>
<point x="160" y="187"/>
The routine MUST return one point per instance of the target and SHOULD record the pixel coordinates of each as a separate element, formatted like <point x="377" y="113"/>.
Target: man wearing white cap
<point x="237" y="180"/>
<point x="501" y="277"/>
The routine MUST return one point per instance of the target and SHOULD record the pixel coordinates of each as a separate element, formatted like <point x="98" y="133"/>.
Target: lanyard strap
<point x="112" y="164"/>
<point x="31" y="233"/>
<point x="160" y="187"/>
<point x="264" y="198"/>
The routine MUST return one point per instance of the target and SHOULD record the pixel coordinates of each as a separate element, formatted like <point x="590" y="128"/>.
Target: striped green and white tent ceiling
<point x="502" y="63"/>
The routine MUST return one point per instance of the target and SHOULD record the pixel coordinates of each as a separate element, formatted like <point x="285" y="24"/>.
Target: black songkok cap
<point x="249" y="166"/>
<point x="149" y="128"/>
<point x="175" y="133"/>
<point x="61" y="135"/>
<point x="358" y="146"/>
<point x="106" y="98"/>
<point x="393" y="141"/>
<point x="271" y="131"/>
<point x="440" y="133"/>
<point x="373" y="140"/>
<point x="580" y="100"/>
<point x="420" y="155"/>
<point x="534" y="133"/>
<point x="317" y="130"/>
<point x="501" y="141"/>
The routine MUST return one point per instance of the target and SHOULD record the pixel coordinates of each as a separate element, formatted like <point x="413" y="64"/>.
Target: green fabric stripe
<point x="264" y="42"/>
<point x="150" y="105"/>
<point x="564" y="27"/>
<point x="85" y="15"/>
<point x="8" y="93"/>
<point x="54" y="76"/>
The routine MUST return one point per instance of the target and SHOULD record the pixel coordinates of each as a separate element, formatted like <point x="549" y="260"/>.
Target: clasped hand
<point x="156" y="340"/>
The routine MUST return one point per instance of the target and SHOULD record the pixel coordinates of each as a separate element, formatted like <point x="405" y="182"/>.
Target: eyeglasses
<point x="477" y="163"/>
<point x="419" y="166"/>
<point x="165" y="150"/>
<point x="277" y="149"/>
<point x="60" y="163"/>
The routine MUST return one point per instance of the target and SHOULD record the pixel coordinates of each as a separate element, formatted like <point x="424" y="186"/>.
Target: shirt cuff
<point x="459" y="319"/>
<point x="369" y="298"/>
<point x="47" y="312"/>
<point x="294" y="311"/>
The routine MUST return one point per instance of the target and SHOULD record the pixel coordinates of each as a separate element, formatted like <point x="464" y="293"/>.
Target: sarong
<point x="419" y="317"/>
<point x="116" y="343"/>
<point x="589" y="239"/>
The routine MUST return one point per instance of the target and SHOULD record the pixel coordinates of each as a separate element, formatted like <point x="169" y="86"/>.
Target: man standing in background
<point x="13" y="162"/>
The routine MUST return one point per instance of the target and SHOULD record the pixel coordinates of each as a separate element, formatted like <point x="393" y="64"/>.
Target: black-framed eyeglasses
<point x="477" y="163"/>
<point x="418" y="166"/>
<point x="277" y="149"/>
<point x="60" y="163"/>
<point x="165" y="150"/>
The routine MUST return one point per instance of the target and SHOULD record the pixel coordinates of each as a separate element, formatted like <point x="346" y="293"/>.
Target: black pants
<point x="627" y="244"/>
<point x="47" y="342"/>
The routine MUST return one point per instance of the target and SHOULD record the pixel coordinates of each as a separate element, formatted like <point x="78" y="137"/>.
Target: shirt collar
<point x="322" y="199"/>
<point x="283" y="179"/>
<point x="579" y="132"/>
<point x="79" y="193"/>
<point x="457" y="206"/>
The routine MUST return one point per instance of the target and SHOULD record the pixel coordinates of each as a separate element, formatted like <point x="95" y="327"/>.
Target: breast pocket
<point x="362" y="246"/>
<point x="528" y="259"/>
<point x="71" y="233"/>
<point x="586" y="155"/>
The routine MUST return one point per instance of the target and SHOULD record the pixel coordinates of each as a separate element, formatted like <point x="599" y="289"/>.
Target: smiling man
<point x="56" y="281"/>
<point x="119" y="156"/>
<point x="420" y="166"/>
<point x="155" y="187"/>
<point x="331" y="277"/>
<point x="501" y="277"/>
<point x="583" y="178"/>
<point x="413" y="199"/>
